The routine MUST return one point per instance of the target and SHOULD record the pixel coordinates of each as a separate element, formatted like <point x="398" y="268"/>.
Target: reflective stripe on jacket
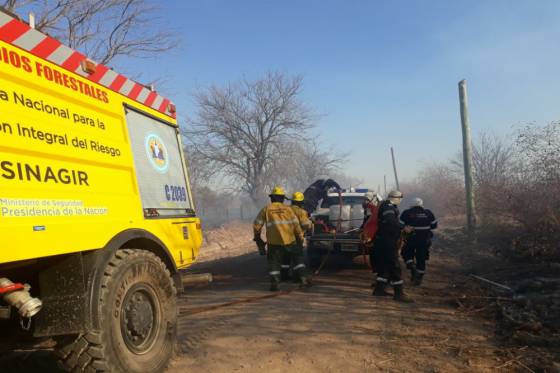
<point x="419" y="218"/>
<point x="282" y="224"/>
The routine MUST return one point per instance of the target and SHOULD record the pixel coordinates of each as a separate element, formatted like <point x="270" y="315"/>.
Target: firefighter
<point x="386" y="247"/>
<point x="416" y="251"/>
<point x="301" y="213"/>
<point x="317" y="191"/>
<point x="296" y="261"/>
<point x="283" y="234"/>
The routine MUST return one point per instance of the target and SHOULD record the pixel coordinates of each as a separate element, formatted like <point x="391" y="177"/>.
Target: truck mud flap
<point x="64" y="296"/>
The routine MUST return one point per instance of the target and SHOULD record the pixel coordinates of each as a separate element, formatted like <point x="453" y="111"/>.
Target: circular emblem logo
<point x="156" y="152"/>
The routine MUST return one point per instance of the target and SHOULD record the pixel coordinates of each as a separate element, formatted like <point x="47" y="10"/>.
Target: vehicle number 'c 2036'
<point x="175" y="193"/>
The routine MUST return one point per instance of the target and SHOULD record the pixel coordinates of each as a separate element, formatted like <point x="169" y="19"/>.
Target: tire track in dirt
<point x="336" y="326"/>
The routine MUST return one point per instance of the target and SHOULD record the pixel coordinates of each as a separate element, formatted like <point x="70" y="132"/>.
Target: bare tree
<point x="517" y="183"/>
<point x="312" y="162"/>
<point x="494" y="163"/>
<point x="539" y="152"/>
<point x="242" y="128"/>
<point x="102" y="29"/>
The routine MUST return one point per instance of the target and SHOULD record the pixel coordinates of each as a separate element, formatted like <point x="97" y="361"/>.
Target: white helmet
<point x="395" y="197"/>
<point x="417" y="202"/>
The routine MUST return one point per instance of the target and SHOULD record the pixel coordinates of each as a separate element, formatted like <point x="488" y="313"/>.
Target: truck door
<point x="160" y="168"/>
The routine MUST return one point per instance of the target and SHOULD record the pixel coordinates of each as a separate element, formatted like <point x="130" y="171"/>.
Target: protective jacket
<point x="389" y="227"/>
<point x="317" y="191"/>
<point x="282" y="225"/>
<point x="303" y="218"/>
<point x="421" y="219"/>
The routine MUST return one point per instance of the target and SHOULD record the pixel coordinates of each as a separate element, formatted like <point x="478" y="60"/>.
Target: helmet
<point x="418" y="202"/>
<point x="395" y="194"/>
<point x="395" y="197"/>
<point x="278" y="191"/>
<point x="298" y="197"/>
<point x="369" y="196"/>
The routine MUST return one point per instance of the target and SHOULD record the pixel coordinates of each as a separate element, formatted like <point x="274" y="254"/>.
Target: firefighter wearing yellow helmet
<point x="302" y="215"/>
<point x="283" y="234"/>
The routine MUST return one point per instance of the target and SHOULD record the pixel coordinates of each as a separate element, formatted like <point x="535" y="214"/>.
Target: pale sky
<point x="381" y="73"/>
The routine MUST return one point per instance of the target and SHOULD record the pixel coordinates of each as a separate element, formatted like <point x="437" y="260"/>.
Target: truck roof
<point x="21" y="35"/>
<point x="345" y="194"/>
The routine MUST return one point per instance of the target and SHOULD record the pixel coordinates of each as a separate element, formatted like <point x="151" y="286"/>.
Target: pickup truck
<point x="336" y="225"/>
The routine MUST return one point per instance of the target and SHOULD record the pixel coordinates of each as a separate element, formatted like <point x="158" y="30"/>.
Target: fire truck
<point x="96" y="211"/>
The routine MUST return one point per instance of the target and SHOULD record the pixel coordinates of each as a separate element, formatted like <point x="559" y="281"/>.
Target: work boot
<point x="274" y="286"/>
<point x="418" y="279"/>
<point x="380" y="291"/>
<point x="400" y="296"/>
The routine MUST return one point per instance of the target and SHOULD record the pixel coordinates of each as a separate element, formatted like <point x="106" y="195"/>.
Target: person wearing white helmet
<point x="386" y="242"/>
<point x="370" y="199"/>
<point x="419" y="223"/>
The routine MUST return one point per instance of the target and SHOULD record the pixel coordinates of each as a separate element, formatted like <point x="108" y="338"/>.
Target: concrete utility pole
<point x="384" y="186"/>
<point x="467" y="156"/>
<point x="395" y="169"/>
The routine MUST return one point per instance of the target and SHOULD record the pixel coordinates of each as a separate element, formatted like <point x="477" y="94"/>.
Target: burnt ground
<point x="337" y="326"/>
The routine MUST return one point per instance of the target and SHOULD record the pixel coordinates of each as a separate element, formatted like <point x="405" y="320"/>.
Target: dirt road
<point x="337" y="326"/>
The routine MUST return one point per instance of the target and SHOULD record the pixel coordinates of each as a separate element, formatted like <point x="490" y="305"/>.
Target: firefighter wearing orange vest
<point x="283" y="235"/>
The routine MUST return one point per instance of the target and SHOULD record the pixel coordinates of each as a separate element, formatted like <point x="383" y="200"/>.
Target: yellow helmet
<point x="277" y="191"/>
<point x="297" y="197"/>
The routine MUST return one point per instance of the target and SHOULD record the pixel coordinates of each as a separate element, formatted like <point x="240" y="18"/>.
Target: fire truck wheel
<point x="138" y="319"/>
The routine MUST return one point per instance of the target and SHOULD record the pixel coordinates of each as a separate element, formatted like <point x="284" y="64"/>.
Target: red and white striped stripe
<point x="22" y="36"/>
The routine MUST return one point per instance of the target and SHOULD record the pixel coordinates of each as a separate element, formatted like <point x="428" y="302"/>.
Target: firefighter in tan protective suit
<point x="306" y="226"/>
<point x="301" y="213"/>
<point x="284" y="236"/>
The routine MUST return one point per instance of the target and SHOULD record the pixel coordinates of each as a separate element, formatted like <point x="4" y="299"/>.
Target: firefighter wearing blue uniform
<point x="416" y="251"/>
<point x="386" y="248"/>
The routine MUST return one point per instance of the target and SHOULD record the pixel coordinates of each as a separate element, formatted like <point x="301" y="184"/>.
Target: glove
<point x="260" y="244"/>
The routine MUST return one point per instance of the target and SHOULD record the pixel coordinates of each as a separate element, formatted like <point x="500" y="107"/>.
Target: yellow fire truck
<point x="96" y="213"/>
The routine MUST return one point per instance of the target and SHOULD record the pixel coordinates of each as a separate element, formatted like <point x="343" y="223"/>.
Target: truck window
<point x="159" y="166"/>
<point x="346" y="200"/>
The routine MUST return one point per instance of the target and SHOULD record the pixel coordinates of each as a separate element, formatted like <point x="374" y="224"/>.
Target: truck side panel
<point x="67" y="174"/>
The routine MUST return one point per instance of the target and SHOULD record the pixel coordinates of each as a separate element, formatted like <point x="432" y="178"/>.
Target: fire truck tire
<point x="138" y="319"/>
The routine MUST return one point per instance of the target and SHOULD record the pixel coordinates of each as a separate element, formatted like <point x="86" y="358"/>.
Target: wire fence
<point x="215" y="216"/>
